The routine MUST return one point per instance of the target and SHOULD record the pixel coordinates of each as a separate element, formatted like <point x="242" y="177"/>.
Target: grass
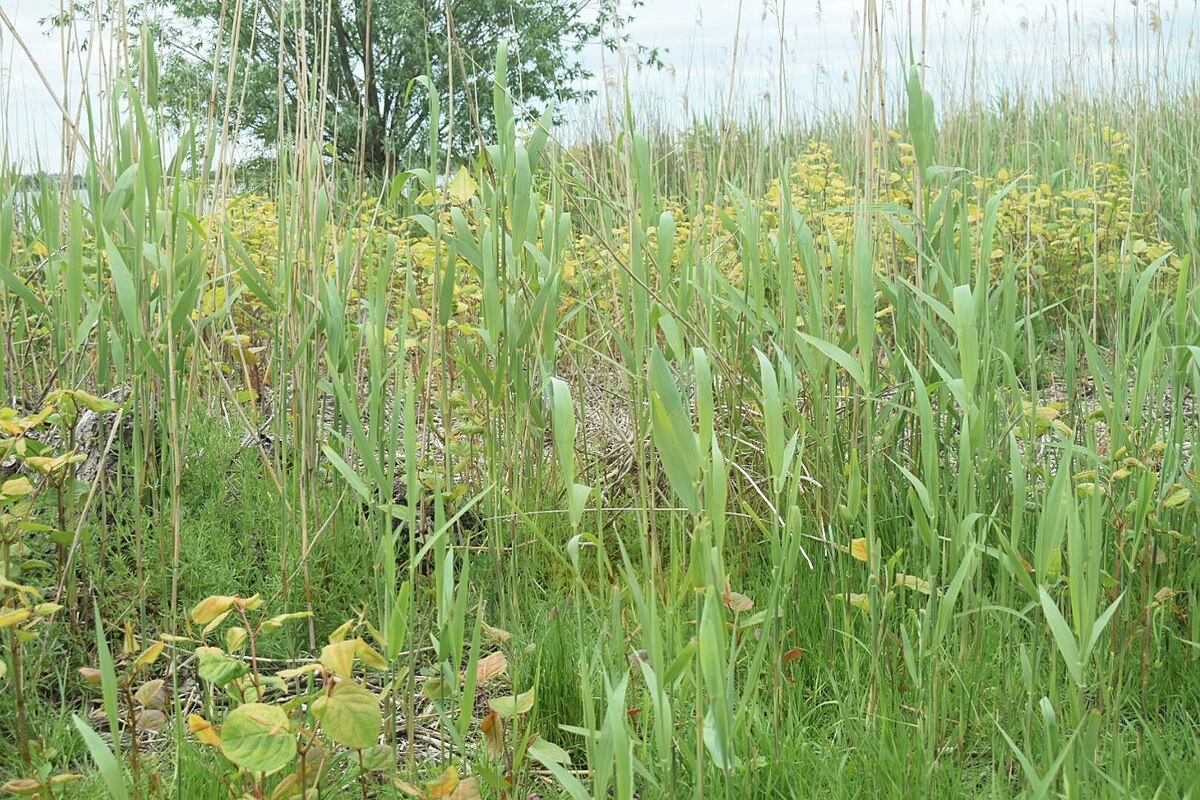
<point x="858" y="463"/>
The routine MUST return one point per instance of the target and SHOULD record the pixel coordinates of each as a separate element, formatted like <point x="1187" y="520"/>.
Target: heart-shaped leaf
<point x="509" y="706"/>
<point x="350" y="715"/>
<point x="256" y="736"/>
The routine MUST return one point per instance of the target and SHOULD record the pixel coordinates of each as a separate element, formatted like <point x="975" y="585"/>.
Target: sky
<point x="801" y="55"/>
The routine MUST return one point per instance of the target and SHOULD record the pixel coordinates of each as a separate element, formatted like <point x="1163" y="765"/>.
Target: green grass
<point x="880" y="513"/>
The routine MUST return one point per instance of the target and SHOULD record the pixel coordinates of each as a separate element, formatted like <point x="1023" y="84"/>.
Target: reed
<point x="766" y="457"/>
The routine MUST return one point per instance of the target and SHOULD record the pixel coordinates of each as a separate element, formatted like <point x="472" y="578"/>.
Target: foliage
<point x="373" y="105"/>
<point x="833" y="476"/>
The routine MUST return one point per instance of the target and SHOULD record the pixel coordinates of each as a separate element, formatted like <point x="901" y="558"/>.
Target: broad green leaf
<point x="509" y="706"/>
<point x="350" y="715"/>
<point x="547" y="752"/>
<point x="218" y="668"/>
<point x="257" y="736"/>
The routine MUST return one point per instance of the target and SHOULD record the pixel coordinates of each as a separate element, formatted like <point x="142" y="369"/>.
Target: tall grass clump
<point x="752" y="459"/>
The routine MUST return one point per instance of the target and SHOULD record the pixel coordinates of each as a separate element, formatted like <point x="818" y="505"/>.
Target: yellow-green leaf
<point x="509" y="706"/>
<point x="338" y="657"/>
<point x="462" y="188"/>
<point x="288" y="674"/>
<point x="911" y="582"/>
<point x="350" y="715"/>
<point x="15" y="616"/>
<point x="149" y="655"/>
<point x="856" y="599"/>
<point x="16" y="487"/>
<point x="235" y="637"/>
<point x="341" y="632"/>
<point x="444" y="785"/>
<point x="369" y="655"/>
<point x="257" y="736"/>
<point x="278" y="620"/>
<point x="1177" y="498"/>
<point x="210" y="608"/>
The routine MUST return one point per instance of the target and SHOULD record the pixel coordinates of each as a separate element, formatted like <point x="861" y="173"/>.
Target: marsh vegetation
<point x="852" y="457"/>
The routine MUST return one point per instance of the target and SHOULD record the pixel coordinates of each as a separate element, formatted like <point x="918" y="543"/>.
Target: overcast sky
<point x="1025" y="41"/>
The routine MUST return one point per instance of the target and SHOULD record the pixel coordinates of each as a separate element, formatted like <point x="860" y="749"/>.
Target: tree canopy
<point x="270" y="67"/>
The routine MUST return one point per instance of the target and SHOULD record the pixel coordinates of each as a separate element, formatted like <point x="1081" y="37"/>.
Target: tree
<point x="356" y="60"/>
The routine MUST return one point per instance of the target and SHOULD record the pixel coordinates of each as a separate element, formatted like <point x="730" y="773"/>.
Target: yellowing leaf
<point x="216" y="623"/>
<point x="859" y="601"/>
<point x="369" y="655"/>
<point x="1152" y="553"/>
<point x="341" y="632"/>
<point x="16" y="487"/>
<point x="129" y="642"/>
<point x="235" y="637"/>
<point x="444" y="785"/>
<point x="152" y="694"/>
<point x="149" y="655"/>
<point x="151" y="719"/>
<point x="468" y="789"/>
<point x="22" y="787"/>
<point x="51" y="464"/>
<point x="278" y="620"/>
<point x="408" y="788"/>
<point x="97" y="404"/>
<point x="288" y="674"/>
<point x="10" y="617"/>
<point x="911" y="582"/>
<point x="210" y="608"/>
<point x="490" y="666"/>
<point x="19" y="588"/>
<point x="493" y="737"/>
<point x="737" y="602"/>
<point x="338" y="657"/>
<point x="462" y="188"/>
<point x="203" y="730"/>
<point x="858" y="549"/>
